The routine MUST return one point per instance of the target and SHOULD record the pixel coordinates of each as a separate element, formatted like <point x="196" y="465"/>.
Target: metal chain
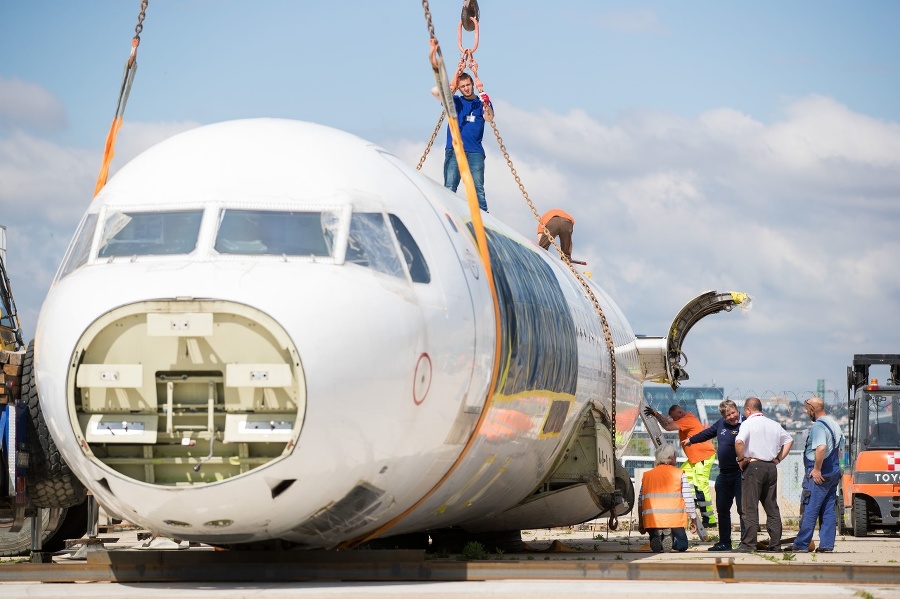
<point x="140" y="24"/>
<point x="460" y="67"/>
<point x="434" y="133"/>
<point x="428" y="24"/>
<point x="605" y="324"/>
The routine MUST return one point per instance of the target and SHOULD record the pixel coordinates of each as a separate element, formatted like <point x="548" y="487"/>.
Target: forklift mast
<point x="858" y="374"/>
<point x="10" y="330"/>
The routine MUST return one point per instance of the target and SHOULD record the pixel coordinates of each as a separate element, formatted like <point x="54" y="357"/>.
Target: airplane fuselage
<point x="271" y="329"/>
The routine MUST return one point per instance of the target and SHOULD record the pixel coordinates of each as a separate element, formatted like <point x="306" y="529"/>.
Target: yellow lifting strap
<point x="124" y="90"/>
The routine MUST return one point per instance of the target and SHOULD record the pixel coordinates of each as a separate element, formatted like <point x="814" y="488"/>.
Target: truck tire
<point x="13" y="544"/>
<point x="49" y="482"/>
<point x="59" y="525"/>
<point x="860" y="517"/>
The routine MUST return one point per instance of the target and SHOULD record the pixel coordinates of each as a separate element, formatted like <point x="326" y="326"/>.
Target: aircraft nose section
<point x="185" y="393"/>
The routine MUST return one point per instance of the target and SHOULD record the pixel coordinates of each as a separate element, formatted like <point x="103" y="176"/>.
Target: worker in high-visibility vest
<point x="700" y="456"/>
<point x="559" y="224"/>
<point x="666" y="503"/>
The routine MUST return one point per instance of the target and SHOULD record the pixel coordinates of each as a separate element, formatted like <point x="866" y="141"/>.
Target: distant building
<point x="702" y="401"/>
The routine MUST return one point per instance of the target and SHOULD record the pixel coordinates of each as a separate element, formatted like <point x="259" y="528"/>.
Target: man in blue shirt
<point x="728" y="483"/>
<point x="821" y="457"/>
<point x="471" y="111"/>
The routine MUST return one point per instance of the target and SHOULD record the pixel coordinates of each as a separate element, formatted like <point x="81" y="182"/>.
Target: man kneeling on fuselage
<point x="666" y="503"/>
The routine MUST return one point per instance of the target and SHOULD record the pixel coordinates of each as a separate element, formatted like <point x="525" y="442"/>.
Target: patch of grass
<point x="530" y="557"/>
<point x="618" y="557"/>
<point x="864" y="594"/>
<point x="473" y="551"/>
<point x="599" y="537"/>
<point x="499" y="552"/>
<point x="788" y="556"/>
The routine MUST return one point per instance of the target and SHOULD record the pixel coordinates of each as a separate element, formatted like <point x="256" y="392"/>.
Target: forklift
<point x="870" y="489"/>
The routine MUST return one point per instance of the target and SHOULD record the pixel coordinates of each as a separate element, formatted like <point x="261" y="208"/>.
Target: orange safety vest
<point x="662" y="504"/>
<point x="550" y="214"/>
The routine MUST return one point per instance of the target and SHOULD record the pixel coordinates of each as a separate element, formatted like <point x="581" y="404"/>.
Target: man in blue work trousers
<point x="821" y="459"/>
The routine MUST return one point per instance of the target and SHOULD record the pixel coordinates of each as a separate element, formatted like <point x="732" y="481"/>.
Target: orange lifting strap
<point x="446" y="95"/>
<point x="124" y="90"/>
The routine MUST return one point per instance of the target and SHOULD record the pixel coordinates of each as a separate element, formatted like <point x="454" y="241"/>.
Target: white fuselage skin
<point x="371" y="413"/>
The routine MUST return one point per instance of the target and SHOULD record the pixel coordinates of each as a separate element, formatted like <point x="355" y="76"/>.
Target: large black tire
<point x="59" y="525"/>
<point x="860" y="517"/>
<point x="49" y="482"/>
<point x="13" y="544"/>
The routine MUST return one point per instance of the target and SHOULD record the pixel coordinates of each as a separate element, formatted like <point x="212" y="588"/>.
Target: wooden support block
<point x="10" y="357"/>
<point x="12" y="369"/>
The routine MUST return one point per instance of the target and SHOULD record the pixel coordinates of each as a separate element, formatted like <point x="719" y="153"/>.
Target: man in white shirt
<point x="761" y="444"/>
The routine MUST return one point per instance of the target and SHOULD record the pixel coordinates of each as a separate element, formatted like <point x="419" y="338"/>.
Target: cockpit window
<point x="415" y="261"/>
<point x="150" y="233"/>
<point x="278" y="233"/>
<point x="370" y="244"/>
<point x="80" y="248"/>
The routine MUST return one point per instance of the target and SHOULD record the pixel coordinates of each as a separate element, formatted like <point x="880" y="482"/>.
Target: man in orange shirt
<point x="559" y="224"/>
<point x="700" y="456"/>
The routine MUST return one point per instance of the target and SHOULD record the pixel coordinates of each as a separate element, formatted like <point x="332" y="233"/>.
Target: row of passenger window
<point x="372" y="240"/>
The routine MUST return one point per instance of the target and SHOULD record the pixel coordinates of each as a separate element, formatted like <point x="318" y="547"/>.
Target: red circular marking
<point x="423" y="372"/>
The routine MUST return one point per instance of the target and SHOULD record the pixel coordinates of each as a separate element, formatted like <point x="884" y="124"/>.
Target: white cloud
<point x="800" y="213"/>
<point x="26" y="105"/>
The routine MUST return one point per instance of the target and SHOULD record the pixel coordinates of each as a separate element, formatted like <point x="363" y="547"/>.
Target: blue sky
<point x="702" y="145"/>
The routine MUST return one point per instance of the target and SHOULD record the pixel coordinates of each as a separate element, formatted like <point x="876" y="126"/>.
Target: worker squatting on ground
<point x="761" y="445"/>
<point x="700" y="456"/>
<point x="471" y="111"/>
<point x="666" y="503"/>
<point x="821" y="458"/>
<point x="728" y="483"/>
<point x="560" y="225"/>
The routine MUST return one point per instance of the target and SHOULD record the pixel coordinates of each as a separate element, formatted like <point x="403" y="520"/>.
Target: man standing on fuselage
<point x="471" y="111"/>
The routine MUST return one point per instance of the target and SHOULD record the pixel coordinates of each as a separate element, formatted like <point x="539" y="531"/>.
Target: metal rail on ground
<point x="402" y="565"/>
